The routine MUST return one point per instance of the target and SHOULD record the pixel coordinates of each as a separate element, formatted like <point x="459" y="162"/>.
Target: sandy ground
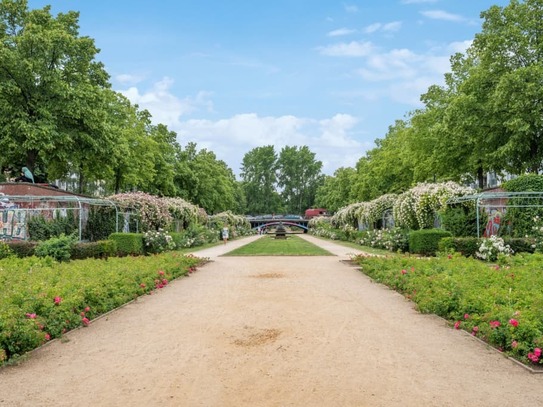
<point x="261" y="331"/>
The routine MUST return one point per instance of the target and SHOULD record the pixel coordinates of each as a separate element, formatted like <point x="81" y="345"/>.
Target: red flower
<point x="537" y="352"/>
<point x="160" y="272"/>
<point x="457" y="325"/>
<point x="85" y="321"/>
<point x="533" y="357"/>
<point x="82" y="313"/>
<point x="47" y="337"/>
<point x="513" y="322"/>
<point x="164" y="281"/>
<point x="57" y="300"/>
<point x="466" y="316"/>
<point x="404" y="271"/>
<point x="142" y="285"/>
<point x="31" y="316"/>
<point x="87" y="309"/>
<point x="475" y="330"/>
<point x="494" y="324"/>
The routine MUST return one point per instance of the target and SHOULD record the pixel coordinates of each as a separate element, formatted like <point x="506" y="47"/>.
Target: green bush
<point x="59" y="248"/>
<point x="100" y="224"/>
<point x="5" y="250"/>
<point x="40" y="228"/>
<point x="426" y="241"/>
<point x="461" y="221"/>
<point x="518" y="222"/>
<point x="521" y="244"/>
<point x="467" y="246"/>
<point x="22" y="248"/>
<point x="98" y="250"/>
<point x="128" y="244"/>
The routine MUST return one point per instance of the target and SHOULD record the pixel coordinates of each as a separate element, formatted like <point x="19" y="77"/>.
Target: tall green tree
<point x="336" y="191"/>
<point x="299" y="177"/>
<point x="259" y="179"/>
<point x="50" y="88"/>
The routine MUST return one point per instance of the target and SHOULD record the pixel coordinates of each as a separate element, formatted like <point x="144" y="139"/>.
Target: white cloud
<point x="340" y="32"/>
<point x="372" y="28"/>
<point x="459" y="46"/>
<point x="388" y="27"/>
<point x="129" y="79"/>
<point x="330" y="139"/>
<point x="165" y="107"/>
<point x="393" y="26"/>
<point x="351" y="49"/>
<point x="443" y="15"/>
<point x="350" y="8"/>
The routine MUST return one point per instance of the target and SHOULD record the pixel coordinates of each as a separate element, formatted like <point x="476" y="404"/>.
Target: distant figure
<point x="26" y="176"/>
<point x="225" y="234"/>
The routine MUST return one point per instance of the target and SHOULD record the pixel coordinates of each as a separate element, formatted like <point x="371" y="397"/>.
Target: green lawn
<point x="269" y="246"/>
<point x="367" y="249"/>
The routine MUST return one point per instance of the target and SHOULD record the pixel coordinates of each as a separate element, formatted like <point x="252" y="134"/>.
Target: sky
<point x="239" y="74"/>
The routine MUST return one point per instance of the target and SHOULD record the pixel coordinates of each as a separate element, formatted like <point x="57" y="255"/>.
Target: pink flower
<point x="537" y="352"/>
<point x="85" y="321"/>
<point x="160" y="272"/>
<point x="82" y="313"/>
<point x="514" y="344"/>
<point x="494" y="324"/>
<point x="457" y="325"/>
<point x="404" y="271"/>
<point x="475" y="330"/>
<point x="47" y="337"/>
<point x="31" y="316"/>
<point x="164" y="281"/>
<point x="57" y="300"/>
<point x="142" y="285"/>
<point x="533" y="357"/>
<point x="513" y="322"/>
<point x="496" y="267"/>
<point x="87" y="309"/>
<point x="466" y="316"/>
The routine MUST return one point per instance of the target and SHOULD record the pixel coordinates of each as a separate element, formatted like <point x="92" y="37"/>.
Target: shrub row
<point x="500" y="305"/>
<point x="468" y="246"/>
<point x="56" y="297"/>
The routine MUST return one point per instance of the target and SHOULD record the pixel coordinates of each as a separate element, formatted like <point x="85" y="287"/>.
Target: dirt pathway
<point x="282" y="331"/>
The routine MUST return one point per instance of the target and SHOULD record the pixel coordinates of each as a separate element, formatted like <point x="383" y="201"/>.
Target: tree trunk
<point x="480" y="177"/>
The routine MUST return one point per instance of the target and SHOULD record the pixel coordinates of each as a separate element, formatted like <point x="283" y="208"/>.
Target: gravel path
<point x="269" y="331"/>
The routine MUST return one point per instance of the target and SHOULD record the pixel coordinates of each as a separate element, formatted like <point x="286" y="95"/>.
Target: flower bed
<point x="40" y="299"/>
<point x="502" y="305"/>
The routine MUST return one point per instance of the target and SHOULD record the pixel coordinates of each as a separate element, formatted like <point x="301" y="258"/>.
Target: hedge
<point x="128" y="244"/>
<point x="426" y="241"/>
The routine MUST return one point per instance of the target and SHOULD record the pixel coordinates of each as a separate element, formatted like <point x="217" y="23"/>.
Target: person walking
<point x="225" y="234"/>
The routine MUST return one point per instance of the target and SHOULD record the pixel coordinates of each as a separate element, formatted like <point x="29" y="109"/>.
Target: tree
<point x="337" y="191"/>
<point x="299" y="177"/>
<point x="259" y="179"/>
<point x="49" y="86"/>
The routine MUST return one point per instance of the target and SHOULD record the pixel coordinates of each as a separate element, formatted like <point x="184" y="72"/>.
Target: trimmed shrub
<point x="101" y="223"/>
<point x="59" y="248"/>
<point x="467" y="246"/>
<point x="426" y="241"/>
<point x="521" y="245"/>
<point x="22" y="248"/>
<point x="128" y="244"/>
<point x="40" y="228"/>
<point x="461" y="221"/>
<point x="98" y="250"/>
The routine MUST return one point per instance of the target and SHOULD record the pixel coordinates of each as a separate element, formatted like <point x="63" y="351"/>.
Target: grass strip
<point x="270" y="246"/>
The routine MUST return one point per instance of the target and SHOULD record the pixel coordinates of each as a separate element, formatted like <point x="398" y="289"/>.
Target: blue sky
<point x="235" y="75"/>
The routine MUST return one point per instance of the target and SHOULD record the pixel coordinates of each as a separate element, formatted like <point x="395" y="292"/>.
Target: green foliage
<point x="521" y="244"/>
<point x="5" y="250"/>
<point x="100" y="224"/>
<point x="57" y="297"/>
<point x="59" y="248"/>
<point x="461" y="221"/>
<point x="500" y="305"/>
<point x="128" y="244"/>
<point x="41" y="228"/>
<point x="22" y="248"/>
<point x="101" y="249"/>
<point x="520" y="220"/>
<point x="394" y="239"/>
<point x="426" y="241"/>
<point x="467" y="246"/>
